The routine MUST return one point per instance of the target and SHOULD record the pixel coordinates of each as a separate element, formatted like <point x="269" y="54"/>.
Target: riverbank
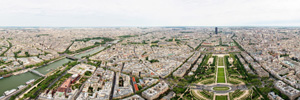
<point x="21" y="77"/>
<point x="22" y="71"/>
<point x="48" y="62"/>
<point x="27" y="69"/>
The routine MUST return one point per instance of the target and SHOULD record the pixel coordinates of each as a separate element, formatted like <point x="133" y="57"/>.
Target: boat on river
<point x="7" y="75"/>
<point x="8" y="92"/>
<point x="30" y="81"/>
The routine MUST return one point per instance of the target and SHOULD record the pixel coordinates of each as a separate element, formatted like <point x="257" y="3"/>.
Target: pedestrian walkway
<point x="243" y="95"/>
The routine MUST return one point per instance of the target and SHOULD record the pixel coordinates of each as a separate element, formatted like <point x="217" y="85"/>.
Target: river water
<point x="14" y="81"/>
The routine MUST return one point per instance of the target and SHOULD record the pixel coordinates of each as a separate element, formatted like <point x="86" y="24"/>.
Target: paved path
<point x="198" y="94"/>
<point x="225" y="70"/>
<point x="183" y="94"/>
<point x="225" y="94"/>
<point x="244" y="94"/>
<point x="30" y="88"/>
<point x="216" y="75"/>
<point x="241" y="82"/>
<point x="210" y="88"/>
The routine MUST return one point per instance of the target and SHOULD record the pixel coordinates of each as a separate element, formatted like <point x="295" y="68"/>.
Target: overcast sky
<point x="85" y="13"/>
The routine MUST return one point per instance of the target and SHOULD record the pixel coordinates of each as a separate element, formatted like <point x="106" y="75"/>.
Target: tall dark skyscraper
<point x="216" y="30"/>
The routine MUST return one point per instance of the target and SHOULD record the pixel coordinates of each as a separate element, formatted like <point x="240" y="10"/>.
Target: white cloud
<point x="148" y="12"/>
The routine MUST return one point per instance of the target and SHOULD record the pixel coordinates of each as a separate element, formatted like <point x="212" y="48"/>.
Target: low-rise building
<point x="291" y="92"/>
<point x="122" y="87"/>
<point x="134" y="97"/>
<point x="81" y="69"/>
<point x="98" y="86"/>
<point x="273" y="96"/>
<point x="155" y="91"/>
<point x="169" y="96"/>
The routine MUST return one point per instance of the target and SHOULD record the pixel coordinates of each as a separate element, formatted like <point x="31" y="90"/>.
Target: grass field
<point x="221" y="88"/>
<point x="220" y="61"/>
<point x="233" y="82"/>
<point x="223" y="97"/>
<point x="221" y="75"/>
<point x="197" y="96"/>
<point x="208" y="81"/>
<point x="237" y="93"/>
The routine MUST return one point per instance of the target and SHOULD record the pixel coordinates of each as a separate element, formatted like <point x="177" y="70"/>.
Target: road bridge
<point x="75" y="58"/>
<point x="36" y="72"/>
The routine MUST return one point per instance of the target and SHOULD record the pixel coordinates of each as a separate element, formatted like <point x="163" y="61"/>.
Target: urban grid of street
<point x="168" y="63"/>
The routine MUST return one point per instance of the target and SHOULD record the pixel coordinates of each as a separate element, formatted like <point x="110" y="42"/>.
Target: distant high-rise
<point x="216" y="30"/>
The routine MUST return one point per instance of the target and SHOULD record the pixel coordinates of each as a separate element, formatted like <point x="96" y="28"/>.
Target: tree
<point x="88" y="73"/>
<point x="147" y="58"/>
<point x="27" y="54"/>
<point x="178" y="90"/>
<point x="153" y="60"/>
<point x="256" y="82"/>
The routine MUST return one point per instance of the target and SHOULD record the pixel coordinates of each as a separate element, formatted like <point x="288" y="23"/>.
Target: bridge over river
<point x="37" y="73"/>
<point x="75" y="58"/>
<point x="14" y="81"/>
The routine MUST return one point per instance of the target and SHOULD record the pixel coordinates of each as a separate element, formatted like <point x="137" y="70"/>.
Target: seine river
<point x="14" y="81"/>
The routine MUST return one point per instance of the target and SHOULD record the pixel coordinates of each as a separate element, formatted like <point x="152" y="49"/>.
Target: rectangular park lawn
<point x="221" y="97"/>
<point x="221" y="88"/>
<point x="221" y="75"/>
<point x="220" y="61"/>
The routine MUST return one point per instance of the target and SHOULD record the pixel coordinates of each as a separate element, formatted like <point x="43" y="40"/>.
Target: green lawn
<point x="206" y="94"/>
<point x="237" y="93"/>
<point x="222" y="97"/>
<point x="233" y="82"/>
<point x="221" y="88"/>
<point x="194" y="94"/>
<point x="221" y="75"/>
<point x="220" y="61"/>
<point x="208" y="81"/>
